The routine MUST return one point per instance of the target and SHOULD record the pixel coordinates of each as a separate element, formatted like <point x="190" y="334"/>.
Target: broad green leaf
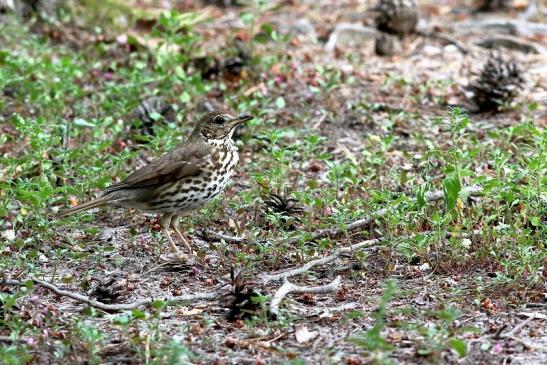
<point x="459" y="346"/>
<point x="451" y="187"/>
<point x="138" y="314"/>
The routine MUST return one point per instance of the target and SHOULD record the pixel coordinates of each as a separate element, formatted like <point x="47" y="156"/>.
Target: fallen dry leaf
<point x="9" y="234"/>
<point x="73" y="201"/>
<point x="303" y="335"/>
<point x="184" y="311"/>
<point x="488" y="305"/>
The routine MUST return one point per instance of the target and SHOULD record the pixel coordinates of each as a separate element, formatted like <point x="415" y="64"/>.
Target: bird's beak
<point x="242" y="118"/>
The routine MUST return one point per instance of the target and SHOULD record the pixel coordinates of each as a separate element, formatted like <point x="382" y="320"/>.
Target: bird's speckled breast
<point x="226" y="157"/>
<point x="193" y="192"/>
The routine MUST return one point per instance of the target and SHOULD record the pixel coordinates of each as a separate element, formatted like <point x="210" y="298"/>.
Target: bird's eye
<point x="218" y="119"/>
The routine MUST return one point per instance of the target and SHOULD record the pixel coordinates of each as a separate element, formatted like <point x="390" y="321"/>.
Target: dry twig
<point x="119" y="307"/>
<point x="446" y="38"/>
<point x="207" y="233"/>
<point x="355" y="225"/>
<point x="429" y="197"/>
<point x="9" y="339"/>
<point x="266" y="278"/>
<point x="511" y="335"/>
<point x="290" y="288"/>
<point x="284" y="290"/>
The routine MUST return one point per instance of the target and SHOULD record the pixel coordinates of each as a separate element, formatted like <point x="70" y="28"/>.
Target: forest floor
<point x="424" y="222"/>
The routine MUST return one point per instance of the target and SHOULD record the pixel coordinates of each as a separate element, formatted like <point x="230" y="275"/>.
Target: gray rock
<point x="303" y="26"/>
<point x="28" y="8"/>
<point x="347" y="34"/>
<point x="502" y="25"/>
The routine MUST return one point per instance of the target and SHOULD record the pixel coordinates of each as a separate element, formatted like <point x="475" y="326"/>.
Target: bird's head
<point x="220" y="125"/>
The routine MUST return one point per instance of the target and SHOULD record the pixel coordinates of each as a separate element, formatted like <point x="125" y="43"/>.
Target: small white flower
<point x="466" y="242"/>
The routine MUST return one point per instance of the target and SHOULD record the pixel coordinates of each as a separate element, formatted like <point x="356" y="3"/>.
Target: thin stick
<point x="266" y="278"/>
<point x="119" y="307"/>
<point x="207" y="233"/>
<point x="520" y="326"/>
<point x="429" y="197"/>
<point x="11" y="282"/>
<point x="359" y="223"/>
<point x="511" y="334"/>
<point x="8" y="339"/>
<point x="528" y="345"/>
<point x="446" y="38"/>
<point x="290" y="288"/>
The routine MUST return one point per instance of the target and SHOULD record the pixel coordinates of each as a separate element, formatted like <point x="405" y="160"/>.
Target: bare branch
<point x="429" y="197"/>
<point x="289" y="288"/>
<point x="536" y="305"/>
<point x="208" y="234"/>
<point x="446" y="38"/>
<point x="9" y="339"/>
<point x="511" y="335"/>
<point x="266" y="278"/>
<point x="10" y="282"/>
<point x="355" y="225"/>
<point x="119" y="307"/>
<point x="520" y="326"/>
<point x="283" y="291"/>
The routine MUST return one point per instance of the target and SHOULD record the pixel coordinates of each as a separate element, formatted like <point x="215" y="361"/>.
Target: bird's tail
<point x="99" y="202"/>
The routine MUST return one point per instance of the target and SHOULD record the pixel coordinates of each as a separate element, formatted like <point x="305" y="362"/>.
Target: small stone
<point x="346" y="34"/>
<point x="303" y="26"/>
<point x="42" y="259"/>
<point x="106" y="234"/>
<point x="466" y="242"/>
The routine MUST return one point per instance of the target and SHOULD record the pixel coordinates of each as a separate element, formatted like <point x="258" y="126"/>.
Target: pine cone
<point x="497" y="84"/>
<point x="207" y="66"/>
<point x="493" y="5"/>
<point x="397" y="16"/>
<point x="241" y="297"/>
<point x="108" y="289"/>
<point x="150" y="111"/>
<point x="286" y="207"/>
<point x="283" y="204"/>
<point x="232" y="67"/>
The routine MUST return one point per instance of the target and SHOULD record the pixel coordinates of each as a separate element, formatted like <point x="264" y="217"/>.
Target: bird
<point x="396" y="16"/>
<point x="184" y="179"/>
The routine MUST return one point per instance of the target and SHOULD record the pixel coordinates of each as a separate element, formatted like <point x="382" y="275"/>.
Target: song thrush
<point x="184" y="179"/>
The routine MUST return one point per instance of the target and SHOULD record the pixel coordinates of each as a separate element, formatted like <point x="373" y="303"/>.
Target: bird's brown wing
<point x="185" y="160"/>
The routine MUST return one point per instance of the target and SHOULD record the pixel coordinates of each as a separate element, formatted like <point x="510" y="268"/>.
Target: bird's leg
<point x="165" y="222"/>
<point x="175" y="226"/>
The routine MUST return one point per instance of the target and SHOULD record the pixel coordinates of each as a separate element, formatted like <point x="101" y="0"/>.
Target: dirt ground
<point x="441" y="301"/>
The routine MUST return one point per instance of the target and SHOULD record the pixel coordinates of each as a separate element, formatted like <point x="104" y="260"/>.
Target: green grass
<point x="67" y="117"/>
